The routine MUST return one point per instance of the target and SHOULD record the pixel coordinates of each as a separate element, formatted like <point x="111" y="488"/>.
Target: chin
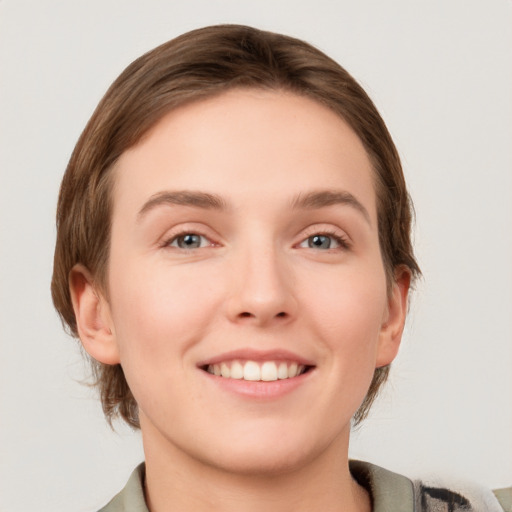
<point x="266" y="454"/>
<point x="262" y="463"/>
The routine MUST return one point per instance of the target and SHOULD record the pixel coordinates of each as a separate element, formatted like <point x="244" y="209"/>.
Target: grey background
<point x="440" y="73"/>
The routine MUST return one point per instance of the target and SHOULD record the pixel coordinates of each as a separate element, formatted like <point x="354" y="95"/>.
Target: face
<point x="247" y="297"/>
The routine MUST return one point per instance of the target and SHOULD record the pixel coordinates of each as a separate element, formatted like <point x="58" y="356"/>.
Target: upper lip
<point x="256" y="355"/>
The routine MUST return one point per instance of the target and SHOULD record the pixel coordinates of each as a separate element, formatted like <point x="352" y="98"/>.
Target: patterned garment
<point x="442" y="499"/>
<point x="392" y="492"/>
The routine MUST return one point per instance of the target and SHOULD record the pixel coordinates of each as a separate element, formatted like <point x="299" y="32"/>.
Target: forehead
<point x="247" y="143"/>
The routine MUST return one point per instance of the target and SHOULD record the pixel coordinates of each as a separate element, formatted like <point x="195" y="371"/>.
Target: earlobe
<point x="393" y="325"/>
<point x="92" y="313"/>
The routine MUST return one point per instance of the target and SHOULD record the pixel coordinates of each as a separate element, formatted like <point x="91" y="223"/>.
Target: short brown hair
<point x="196" y="65"/>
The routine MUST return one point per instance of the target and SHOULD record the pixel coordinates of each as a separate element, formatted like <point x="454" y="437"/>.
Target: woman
<point x="234" y="254"/>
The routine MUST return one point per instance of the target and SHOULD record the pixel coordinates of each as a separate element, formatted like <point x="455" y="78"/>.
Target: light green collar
<point x="389" y="491"/>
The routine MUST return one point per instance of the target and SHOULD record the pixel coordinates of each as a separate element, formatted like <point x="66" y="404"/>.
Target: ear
<point x="394" y="319"/>
<point x="93" y="318"/>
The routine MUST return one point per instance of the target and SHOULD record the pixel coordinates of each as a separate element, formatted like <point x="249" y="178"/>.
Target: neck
<point x="176" y="481"/>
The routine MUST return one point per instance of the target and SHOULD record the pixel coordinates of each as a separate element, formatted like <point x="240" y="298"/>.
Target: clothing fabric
<point x="390" y="492"/>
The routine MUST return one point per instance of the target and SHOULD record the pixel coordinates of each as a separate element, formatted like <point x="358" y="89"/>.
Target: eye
<point x="189" y="241"/>
<point x="324" y="241"/>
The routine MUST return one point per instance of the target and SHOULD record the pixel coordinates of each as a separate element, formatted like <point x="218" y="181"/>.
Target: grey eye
<point x="319" y="242"/>
<point x="188" y="241"/>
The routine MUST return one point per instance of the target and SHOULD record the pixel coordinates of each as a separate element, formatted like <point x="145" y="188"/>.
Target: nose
<point x="262" y="291"/>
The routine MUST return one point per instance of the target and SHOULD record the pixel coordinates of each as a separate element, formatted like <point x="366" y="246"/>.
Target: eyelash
<point x="340" y="240"/>
<point x="175" y="237"/>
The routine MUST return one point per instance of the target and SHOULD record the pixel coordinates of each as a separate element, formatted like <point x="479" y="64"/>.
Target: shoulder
<point x="435" y="496"/>
<point x="505" y="498"/>
<point x="391" y="491"/>
<point x="388" y="490"/>
<point x="131" y="498"/>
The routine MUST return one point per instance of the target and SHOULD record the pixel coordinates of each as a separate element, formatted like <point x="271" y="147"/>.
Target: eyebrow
<point x="183" y="198"/>
<point x="205" y="200"/>
<point x="324" y="198"/>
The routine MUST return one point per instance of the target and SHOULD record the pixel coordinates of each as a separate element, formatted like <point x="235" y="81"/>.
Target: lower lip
<point x="263" y="390"/>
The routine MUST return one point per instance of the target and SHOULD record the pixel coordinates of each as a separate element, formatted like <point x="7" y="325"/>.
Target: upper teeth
<point x="252" y="370"/>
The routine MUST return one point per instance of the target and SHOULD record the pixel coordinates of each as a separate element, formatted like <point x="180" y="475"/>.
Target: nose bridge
<point x="262" y="282"/>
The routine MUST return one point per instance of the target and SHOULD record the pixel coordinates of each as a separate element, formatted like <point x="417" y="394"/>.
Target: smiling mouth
<point x="266" y="371"/>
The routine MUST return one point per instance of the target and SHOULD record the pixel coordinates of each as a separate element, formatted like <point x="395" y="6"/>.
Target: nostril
<point x="248" y="314"/>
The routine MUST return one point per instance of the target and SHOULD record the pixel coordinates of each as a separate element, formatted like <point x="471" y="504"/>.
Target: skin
<point x="256" y="282"/>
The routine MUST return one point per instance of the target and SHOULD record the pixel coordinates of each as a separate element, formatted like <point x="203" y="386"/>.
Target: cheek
<point x="344" y="312"/>
<point x="159" y="312"/>
<point x="158" y="316"/>
<point x="348" y="308"/>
